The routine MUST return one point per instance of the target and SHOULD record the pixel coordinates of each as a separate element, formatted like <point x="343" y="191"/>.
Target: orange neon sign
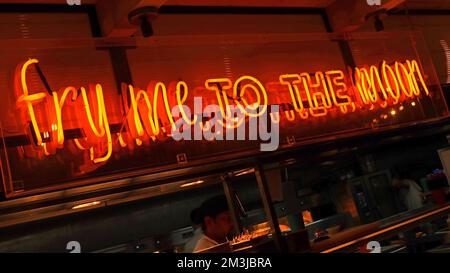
<point x="310" y="95"/>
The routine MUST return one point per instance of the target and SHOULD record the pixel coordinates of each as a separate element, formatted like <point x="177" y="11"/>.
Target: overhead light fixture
<point x="190" y="184"/>
<point x="328" y="163"/>
<point x="87" y="205"/>
<point x="143" y="17"/>
<point x="378" y="24"/>
<point x="244" y="172"/>
<point x="290" y="161"/>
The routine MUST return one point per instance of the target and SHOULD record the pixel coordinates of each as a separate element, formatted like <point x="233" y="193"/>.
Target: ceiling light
<point x="190" y="184"/>
<point x="86" y="205"/>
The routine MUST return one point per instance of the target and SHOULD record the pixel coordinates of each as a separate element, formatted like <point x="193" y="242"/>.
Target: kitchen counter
<point x="354" y="237"/>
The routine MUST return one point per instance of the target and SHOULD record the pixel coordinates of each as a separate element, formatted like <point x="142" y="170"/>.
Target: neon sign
<point x="310" y="95"/>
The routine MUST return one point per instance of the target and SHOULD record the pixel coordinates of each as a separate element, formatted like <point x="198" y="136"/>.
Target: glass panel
<point x="102" y="134"/>
<point x="27" y="165"/>
<point x="434" y="29"/>
<point x="42" y="26"/>
<point x="194" y="24"/>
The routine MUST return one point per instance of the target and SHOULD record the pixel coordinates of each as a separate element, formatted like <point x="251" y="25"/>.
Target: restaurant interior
<point x="87" y="154"/>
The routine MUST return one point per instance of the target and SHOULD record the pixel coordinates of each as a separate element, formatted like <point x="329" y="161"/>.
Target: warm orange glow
<point x="292" y="81"/>
<point x="26" y="100"/>
<point x="415" y="69"/>
<point x="148" y="117"/>
<point x="46" y="152"/>
<point x="384" y="230"/>
<point x="181" y="99"/>
<point x="392" y="84"/>
<point x="259" y="90"/>
<point x="324" y="92"/>
<point x="318" y="101"/>
<point x="143" y="116"/>
<point x="58" y="108"/>
<point x="99" y="130"/>
<point x="122" y="143"/>
<point x="240" y="100"/>
<point x="190" y="184"/>
<point x="138" y="142"/>
<point x="220" y="86"/>
<point x="275" y="117"/>
<point x="87" y="205"/>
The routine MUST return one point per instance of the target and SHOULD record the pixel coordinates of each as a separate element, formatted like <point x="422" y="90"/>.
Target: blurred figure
<point x="196" y="222"/>
<point x="217" y="224"/>
<point x="410" y="193"/>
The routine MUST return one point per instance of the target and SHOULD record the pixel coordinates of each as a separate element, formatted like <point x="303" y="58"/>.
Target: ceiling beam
<point x="349" y="15"/>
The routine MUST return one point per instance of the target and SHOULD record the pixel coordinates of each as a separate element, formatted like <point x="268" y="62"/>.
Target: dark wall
<point x="417" y="157"/>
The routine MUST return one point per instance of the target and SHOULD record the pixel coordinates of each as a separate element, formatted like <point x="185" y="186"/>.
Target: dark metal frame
<point x="90" y="10"/>
<point x="419" y="12"/>
<point x="271" y="214"/>
<point x="228" y="190"/>
<point x="169" y="9"/>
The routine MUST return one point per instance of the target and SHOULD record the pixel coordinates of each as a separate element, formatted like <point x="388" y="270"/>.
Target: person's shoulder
<point x="200" y="243"/>
<point x="203" y="243"/>
<point x="198" y="232"/>
<point x="202" y="239"/>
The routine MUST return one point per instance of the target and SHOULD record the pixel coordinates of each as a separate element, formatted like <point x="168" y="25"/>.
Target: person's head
<point x="196" y="218"/>
<point x="216" y="218"/>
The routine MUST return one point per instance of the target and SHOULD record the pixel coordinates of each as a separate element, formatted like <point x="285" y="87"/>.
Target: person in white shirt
<point x="198" y="233"/>
<point x="217" y="224"/>
<point x="410" y="193"/>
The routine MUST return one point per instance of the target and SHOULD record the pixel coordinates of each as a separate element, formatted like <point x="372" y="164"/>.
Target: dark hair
<point x="213" y="207"/>
<point x="195" y="216"/>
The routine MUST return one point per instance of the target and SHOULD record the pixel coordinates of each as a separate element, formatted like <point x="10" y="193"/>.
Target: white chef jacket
<point x="412" y="195"/>
<point x="204" y="243"/>
<point x="190" y="245"/>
